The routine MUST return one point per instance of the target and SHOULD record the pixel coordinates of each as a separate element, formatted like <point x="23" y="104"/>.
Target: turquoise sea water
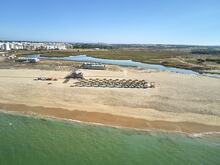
<point x="33" y="141"/>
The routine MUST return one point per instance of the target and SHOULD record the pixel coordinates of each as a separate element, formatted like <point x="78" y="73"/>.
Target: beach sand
<point x="187" y="103"/>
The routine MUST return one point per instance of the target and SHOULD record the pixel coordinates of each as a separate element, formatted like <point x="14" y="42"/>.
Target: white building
<point x="1" y="46"/>
<point x="50" y="47"/>
<point x="61" y="47"/>
<point x="6" y="46"/>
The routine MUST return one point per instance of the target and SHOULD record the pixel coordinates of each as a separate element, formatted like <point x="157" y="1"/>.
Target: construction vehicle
<point x="76" y="74"/>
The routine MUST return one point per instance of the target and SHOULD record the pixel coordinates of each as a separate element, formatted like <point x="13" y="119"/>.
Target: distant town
<point x="24" y="45"/>
<point x="37" y="46"/>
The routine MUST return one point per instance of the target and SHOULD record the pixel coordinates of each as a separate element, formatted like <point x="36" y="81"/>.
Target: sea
<point x="34" y="140"/>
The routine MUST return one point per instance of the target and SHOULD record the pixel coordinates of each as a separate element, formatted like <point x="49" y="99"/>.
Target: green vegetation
<point x="206" y="51"/>
<point x="90" y="46"/>
<point x="180" y="58"/>
<point x="166" y="57"/>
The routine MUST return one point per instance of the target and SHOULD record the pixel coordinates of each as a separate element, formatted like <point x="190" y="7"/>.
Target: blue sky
<point x="112" y="21"/>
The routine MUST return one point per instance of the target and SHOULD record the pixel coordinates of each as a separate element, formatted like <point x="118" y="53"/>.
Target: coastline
<point x="72" y="121"/>
<point x="104" y="119"/>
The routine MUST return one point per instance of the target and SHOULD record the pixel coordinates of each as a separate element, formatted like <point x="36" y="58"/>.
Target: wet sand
<point x="111" y="120"/>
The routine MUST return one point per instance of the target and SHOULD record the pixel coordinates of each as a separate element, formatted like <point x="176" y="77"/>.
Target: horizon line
<point x="84" y="42"/>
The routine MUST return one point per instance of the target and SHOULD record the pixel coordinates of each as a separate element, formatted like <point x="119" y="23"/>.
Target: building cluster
<point x="7" y="46"/>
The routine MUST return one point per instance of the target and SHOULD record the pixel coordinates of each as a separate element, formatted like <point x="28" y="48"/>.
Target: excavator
<point x="75" y="74"/>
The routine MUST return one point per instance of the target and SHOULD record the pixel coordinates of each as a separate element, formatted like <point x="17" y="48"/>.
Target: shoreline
<point x="115" y="121"/>
<point x="71" y="121"/>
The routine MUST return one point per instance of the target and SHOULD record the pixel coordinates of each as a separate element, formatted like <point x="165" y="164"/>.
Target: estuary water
<point x="31" y="140"/>
<point x="86" y="58"/>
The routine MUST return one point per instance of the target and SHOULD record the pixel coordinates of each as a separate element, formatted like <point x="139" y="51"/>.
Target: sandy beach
<point x="180" y="102"/>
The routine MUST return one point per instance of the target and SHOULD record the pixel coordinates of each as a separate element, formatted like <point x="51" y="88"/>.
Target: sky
<point x="191" y="22"/>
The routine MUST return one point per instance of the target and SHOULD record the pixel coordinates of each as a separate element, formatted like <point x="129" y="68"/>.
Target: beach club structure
<point x="26" y="59"/>
<point x="94" y="66"/>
